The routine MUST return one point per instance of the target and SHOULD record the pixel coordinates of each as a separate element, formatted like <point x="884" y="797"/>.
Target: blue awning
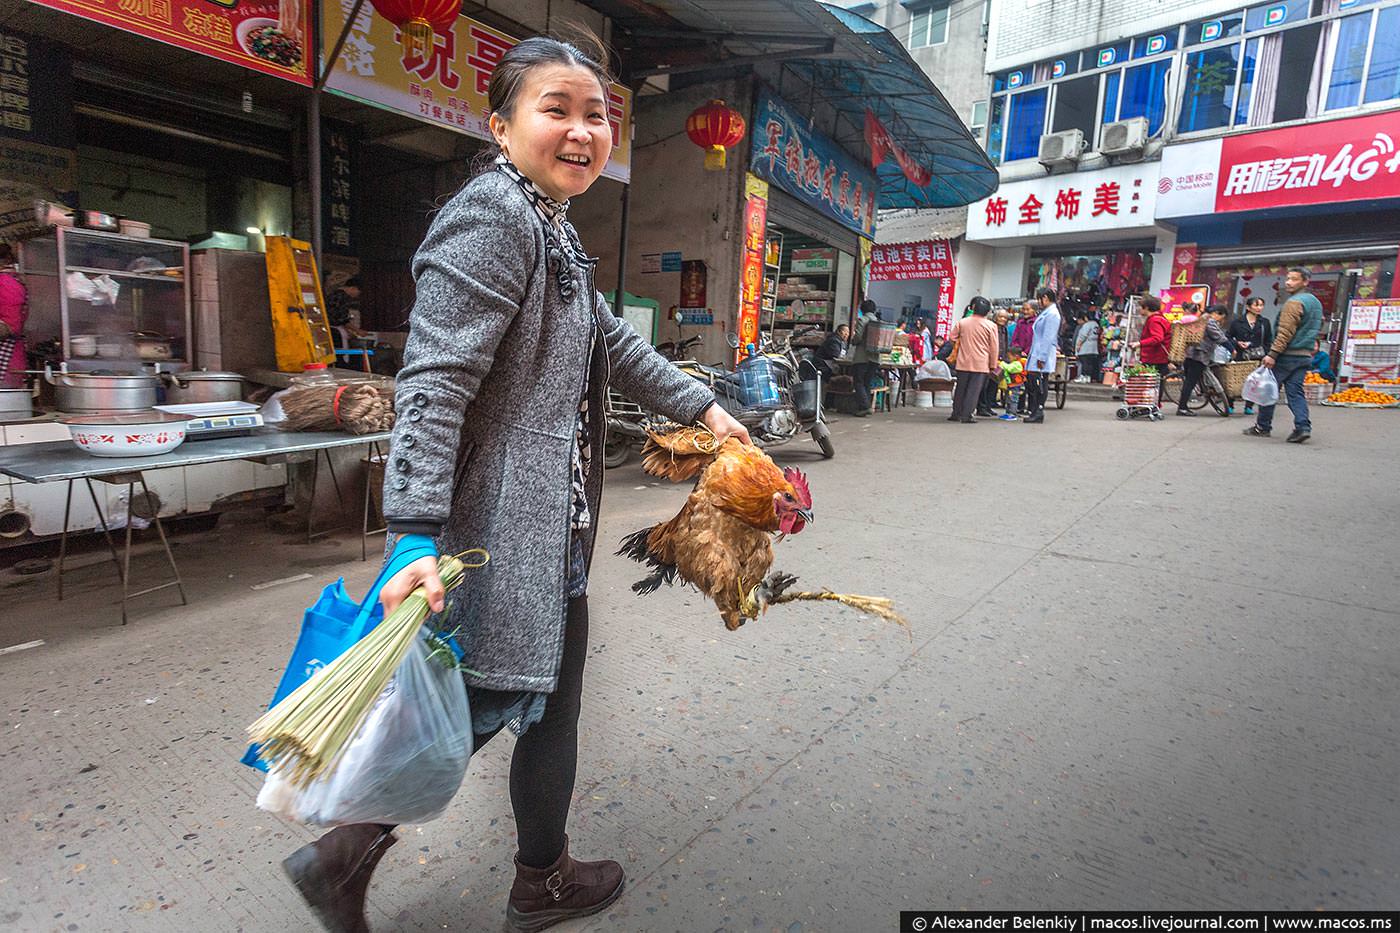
<point x="892" y="86"/>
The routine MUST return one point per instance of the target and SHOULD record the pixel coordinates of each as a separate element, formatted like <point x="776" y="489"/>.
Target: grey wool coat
<point x="487" y="404"/>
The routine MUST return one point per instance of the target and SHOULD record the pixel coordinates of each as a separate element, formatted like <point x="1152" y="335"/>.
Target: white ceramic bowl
<point x="127" y="434"/>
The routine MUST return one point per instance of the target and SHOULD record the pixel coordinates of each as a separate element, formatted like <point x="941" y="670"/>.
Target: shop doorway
<point x="813" y="283"/>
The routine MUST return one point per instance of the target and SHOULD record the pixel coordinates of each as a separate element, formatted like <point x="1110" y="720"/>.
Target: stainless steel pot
<point x="197" y="387"/>
<point x="84" y="392"/>
<point x="16" y="404"/>
<point x="151" y="346"/>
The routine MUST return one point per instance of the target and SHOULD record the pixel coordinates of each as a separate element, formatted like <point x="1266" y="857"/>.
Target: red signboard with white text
<point x="926" y="259"/>
<point x="1344" y="160"/>
<point x="1356" y="159"/>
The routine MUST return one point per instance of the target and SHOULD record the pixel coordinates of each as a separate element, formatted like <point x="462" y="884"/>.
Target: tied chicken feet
<point x="721" y="541"/>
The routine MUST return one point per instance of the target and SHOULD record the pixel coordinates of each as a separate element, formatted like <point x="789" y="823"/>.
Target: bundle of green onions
<point x="303" y="735"/>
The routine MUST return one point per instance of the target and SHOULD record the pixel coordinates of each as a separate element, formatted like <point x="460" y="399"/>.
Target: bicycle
<point x="1209" y="392"/>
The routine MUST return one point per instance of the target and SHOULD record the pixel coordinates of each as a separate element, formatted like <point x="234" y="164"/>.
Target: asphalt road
<point x="1149" y="666"/>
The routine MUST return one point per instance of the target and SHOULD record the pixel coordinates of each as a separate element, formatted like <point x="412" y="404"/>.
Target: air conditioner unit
<point x="1063" y="148"/>
<point x="1126" y="137"/>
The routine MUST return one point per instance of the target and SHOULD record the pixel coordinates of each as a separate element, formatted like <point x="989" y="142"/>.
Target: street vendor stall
<point x="63" y="461"/>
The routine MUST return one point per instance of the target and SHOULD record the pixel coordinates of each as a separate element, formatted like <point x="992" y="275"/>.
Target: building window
<point x="1076" y="106"/>
<point x="1145" y="94"/>
<point x="1348" y="61"/>
<point x="995" y="135"/>
<point x="1155" y="44"/>
<point x="1251" y="54"/>
<point x="978" y="124"/>
<point x="1276" y="13"/>
<point x="1025" y="124"/>
<point x="928" y="24"/>
<point x="1295" y="95"/>
<point x="1208" y="97"/>
<point x="1211" y="30"/>
<point x="1383" y="83"/>
<point x="1111" y="82"/>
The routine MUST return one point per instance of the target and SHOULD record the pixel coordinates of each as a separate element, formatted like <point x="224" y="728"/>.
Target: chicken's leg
<point x="757" y="601"/>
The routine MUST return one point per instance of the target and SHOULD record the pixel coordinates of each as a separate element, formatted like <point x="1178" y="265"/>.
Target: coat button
<point x="415" y="415"/>
<point x="420" y="398"/>
<point x="404" y="466"/>
<point x="407" y="441"/>
<point x="401" y="483"/>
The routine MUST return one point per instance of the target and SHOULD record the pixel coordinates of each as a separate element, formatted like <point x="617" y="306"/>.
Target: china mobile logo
<point x="1312" y="170"/>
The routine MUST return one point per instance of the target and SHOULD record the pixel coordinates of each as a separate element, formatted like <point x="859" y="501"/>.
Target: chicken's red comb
<point x="799" y="485"/>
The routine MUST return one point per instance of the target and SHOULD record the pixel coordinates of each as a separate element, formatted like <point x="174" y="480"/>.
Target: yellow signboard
<point x="447" y="87"/>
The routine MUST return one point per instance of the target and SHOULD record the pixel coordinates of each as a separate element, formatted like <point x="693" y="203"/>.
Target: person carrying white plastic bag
<point x="406" y="760"/>
<point x="1260" y="387"/>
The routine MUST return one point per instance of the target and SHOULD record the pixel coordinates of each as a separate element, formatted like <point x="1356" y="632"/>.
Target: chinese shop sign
<point x="37" y="138"/>
<point x="751" y="263"/>
<point x="927" y="259"/>
<point x="810" y="167"/>
<point x="1110" y="199"/>
<point x="339" y="144"/>
<point x="1184" y="259"/>
<point x="270" y="36"/>
<point x="1356" y="159"/>
<point x="37" y="159"/>
<point x="446" y="88"/>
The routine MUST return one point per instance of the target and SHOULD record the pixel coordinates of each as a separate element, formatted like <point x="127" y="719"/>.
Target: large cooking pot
<point x="197" y="387"/>
<point x="86" y="392"/>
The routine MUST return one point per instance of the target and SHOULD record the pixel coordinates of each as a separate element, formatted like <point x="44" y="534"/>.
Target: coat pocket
<point x="464" y="460"/>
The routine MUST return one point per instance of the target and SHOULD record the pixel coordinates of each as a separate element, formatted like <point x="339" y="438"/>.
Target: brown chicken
<point x="721" y="540"/>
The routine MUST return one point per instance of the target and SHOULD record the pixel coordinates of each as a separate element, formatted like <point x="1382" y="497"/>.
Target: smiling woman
<point x="509" y="356"/>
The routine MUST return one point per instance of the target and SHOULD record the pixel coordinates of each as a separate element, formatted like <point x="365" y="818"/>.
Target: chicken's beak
<point x="805" y="515"/>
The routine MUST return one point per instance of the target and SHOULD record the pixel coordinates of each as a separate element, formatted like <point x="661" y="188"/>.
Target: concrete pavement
<point x="1151" y="666"/>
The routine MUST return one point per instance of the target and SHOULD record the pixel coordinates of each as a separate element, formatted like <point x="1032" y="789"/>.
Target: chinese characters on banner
<point x="1184" y="259"/>
<point x="927" y="259"/>
<point x="883" y="144"/>
<point x="811" y="167"/>
<point x="1110" y="199"/>
<point x="694" y="276"/>
<point x="270" y="36"/>
<point x="1176" y="296"/>
<point x="37" y="139"/>
<point x="1348" y="160"/>
<point x="447" y="87"/>
<point x="339" y="145"/>
<point x="751" y="266"/>
<point x="1355" y="159"/>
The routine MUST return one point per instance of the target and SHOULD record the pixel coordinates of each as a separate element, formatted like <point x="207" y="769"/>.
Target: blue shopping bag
<point x="332" y="624"/>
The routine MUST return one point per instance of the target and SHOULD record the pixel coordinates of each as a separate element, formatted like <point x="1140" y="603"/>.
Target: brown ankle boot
<point x="333" y="873"/>
<point x="542" y="897"/>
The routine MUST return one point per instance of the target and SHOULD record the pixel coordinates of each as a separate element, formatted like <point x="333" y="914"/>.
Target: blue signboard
<point x="671" y="261"/>
<point x="811" y="167"/>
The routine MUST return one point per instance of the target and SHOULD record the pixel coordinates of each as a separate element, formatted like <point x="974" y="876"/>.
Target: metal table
<point x="60" y="461"/>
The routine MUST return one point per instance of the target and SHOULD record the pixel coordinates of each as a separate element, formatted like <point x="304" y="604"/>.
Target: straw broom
<point x="303" y="735"/>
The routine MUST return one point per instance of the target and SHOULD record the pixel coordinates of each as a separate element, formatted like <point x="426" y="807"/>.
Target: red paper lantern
<point x="419" y="20"/>
<point x="715" y="127"/>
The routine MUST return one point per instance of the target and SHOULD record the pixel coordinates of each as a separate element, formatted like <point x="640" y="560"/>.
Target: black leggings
<point x="545" y="760"/>
<point x="1195" y="373"/>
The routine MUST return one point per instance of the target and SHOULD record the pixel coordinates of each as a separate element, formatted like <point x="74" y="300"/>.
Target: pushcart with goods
<point x="1140" y="397"/>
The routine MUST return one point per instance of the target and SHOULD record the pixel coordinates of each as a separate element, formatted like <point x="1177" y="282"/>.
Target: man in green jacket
<point x="1290" y="354"/>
